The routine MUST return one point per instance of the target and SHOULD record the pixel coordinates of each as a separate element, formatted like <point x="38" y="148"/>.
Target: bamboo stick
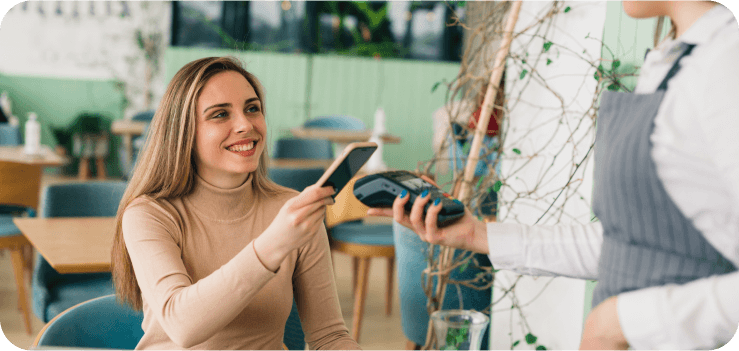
<point x="487" y="104"/>
<point x="447" y="253"/>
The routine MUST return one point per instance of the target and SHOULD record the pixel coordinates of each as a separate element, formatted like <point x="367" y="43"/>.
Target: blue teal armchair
<point x="105" y="323"/>
<point x="53" y="292"/>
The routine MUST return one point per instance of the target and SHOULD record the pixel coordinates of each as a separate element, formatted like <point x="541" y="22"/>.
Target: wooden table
<point x="46" y="158"/>
<point x="127" y="129"/>
<point x="341" y="136"/>
<point x="71" y="245"/>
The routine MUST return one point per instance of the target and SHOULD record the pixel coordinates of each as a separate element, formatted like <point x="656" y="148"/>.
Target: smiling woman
<point x="212" y="250"/>
<point x="230" y="130"/>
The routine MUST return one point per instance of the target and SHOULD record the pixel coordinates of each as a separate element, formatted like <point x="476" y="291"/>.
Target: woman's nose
<point x="242" y="124"/>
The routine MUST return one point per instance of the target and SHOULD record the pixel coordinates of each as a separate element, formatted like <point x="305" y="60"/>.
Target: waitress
<point x="665" y="251"/>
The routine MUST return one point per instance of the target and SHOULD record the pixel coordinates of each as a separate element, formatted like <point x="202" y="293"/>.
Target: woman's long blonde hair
<point x="165" y="168"/>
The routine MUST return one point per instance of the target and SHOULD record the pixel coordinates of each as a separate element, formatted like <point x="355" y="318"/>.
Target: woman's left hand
<point x="602" y="328"/>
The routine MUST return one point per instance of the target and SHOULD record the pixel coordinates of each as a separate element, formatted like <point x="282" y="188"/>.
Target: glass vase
<point x="459" y="329"/>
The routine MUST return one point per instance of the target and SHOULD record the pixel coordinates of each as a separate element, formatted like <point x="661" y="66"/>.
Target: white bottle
<point x="32" y="140"/>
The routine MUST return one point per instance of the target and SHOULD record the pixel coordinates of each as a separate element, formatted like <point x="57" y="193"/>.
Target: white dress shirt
<point x="696" y="152"/>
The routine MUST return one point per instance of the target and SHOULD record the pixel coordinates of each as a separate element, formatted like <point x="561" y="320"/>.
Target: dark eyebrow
<point x="226" y="104"/>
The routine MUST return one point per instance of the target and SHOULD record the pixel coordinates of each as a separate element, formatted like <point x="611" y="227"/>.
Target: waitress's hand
<point x="466" y="233"/>
<point x="299" y="219"/>
<point x="602" y="329"/>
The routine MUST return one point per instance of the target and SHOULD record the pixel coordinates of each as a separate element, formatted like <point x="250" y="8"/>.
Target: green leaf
<point x="615" y="64"/>
<point x="613" y="87"/>
<point x="466" y="148"/>
<point x="530" y="338"/>
<point x="523" y="62"/>
<point x="548" y="62"/>
<point x="596" y="75"/>
<point x="461" y="3"/>
<point x="541" y="347"/>
<point x="547" y="45"/>
<point x="450" y="338"/>
<point x="436" y="85"/>
<point x="516" y="151"/>
<point x="479" y="183"/>
<point x="463" y="267"/>
<point x="567" y="9"/>
<point x="516" y="343"/>
<point x="523" y="73"/>
<point x="600" y="68"/>
<point x="496" y="187"/>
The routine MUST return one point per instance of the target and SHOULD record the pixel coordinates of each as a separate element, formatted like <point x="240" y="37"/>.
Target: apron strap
<point x="686" y="50"/>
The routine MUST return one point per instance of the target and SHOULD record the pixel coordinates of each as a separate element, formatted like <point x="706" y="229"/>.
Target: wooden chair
<point x="362" y="242"/>
<point x="19" y="186"/>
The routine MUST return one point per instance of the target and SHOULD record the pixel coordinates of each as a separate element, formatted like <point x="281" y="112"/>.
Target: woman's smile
<point x="244" y="148"/>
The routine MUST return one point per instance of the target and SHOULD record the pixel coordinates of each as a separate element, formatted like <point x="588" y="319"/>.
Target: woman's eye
<point x="252" y="109"/>
<point x="220" y="114"/>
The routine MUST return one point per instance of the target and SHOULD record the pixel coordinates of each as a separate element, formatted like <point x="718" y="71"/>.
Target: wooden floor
<point x="378" y="331"/>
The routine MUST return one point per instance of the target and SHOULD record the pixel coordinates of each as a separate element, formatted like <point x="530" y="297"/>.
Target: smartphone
<point x="381" y="189"/>
<point x="347" y="165"/>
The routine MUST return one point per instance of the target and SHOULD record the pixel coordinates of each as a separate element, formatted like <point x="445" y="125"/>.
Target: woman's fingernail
<point x="424" y="193"/>
<point x="403" y="193"/>
<point x="437" y="201"/>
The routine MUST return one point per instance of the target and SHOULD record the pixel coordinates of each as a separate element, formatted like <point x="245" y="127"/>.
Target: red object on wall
<point x="492" y="125"/>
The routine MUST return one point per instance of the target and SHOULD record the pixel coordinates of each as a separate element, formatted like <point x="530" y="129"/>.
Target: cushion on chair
<point x="10" y="134"/>
<point x="336" y="122"/>
<point x="88" y="199"/>
<point x="100" y="323"/>
<point x="294" y="337"/>
<point x="7" y="227"/>
<point x="68" y="294"/>
<point x="295" y="178"/>
<point x="364" y="234"/>
<point x="410" y="256"/>
<point x="316" y="149"/>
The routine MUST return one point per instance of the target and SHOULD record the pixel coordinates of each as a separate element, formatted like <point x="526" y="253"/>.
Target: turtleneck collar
<point x="222" y="205"/>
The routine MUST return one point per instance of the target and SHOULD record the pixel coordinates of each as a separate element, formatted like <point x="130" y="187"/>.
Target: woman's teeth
<point x="242" y="147"/>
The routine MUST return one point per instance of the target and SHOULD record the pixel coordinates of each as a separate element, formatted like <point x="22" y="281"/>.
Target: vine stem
<point x="487" y="107"/>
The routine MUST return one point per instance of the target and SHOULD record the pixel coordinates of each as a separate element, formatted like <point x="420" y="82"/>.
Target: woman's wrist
<point x="269" y="252"/>
<point x="480" y="238"/>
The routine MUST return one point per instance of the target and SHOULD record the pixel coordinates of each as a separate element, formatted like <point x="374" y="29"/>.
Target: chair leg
<point x="100" y="167"/>
<point x="16" y="255"/>
<point x="359" y="296"/>
<point x="84" y="169"/>
<point x="389" y="288"/>
<point x="355" y="266"/>
<point x="410" y="345"/>
<point x="28" y="261"/>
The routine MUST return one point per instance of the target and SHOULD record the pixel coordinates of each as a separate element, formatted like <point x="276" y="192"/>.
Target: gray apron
<point x="647" y="241"/>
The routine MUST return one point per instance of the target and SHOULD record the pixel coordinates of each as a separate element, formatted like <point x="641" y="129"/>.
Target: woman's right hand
<point x="299" y="219"/>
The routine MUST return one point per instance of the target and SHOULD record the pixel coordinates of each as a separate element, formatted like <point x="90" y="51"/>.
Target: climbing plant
<point x="535" y="50"/>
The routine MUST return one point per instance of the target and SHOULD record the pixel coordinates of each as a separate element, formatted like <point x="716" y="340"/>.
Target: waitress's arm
<point x="546" y="250"/>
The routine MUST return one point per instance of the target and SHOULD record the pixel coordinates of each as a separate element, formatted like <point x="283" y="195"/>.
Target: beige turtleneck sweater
<point x="203" y="286"/>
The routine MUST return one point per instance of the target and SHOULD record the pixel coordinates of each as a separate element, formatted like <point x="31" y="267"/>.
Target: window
<point x="399" y="29"/>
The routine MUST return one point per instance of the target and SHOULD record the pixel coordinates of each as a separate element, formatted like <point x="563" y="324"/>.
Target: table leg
<point x="127" y="146"/>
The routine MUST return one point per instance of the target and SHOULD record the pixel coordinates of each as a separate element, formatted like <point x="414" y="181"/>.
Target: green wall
<point x="58" y="101"/>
